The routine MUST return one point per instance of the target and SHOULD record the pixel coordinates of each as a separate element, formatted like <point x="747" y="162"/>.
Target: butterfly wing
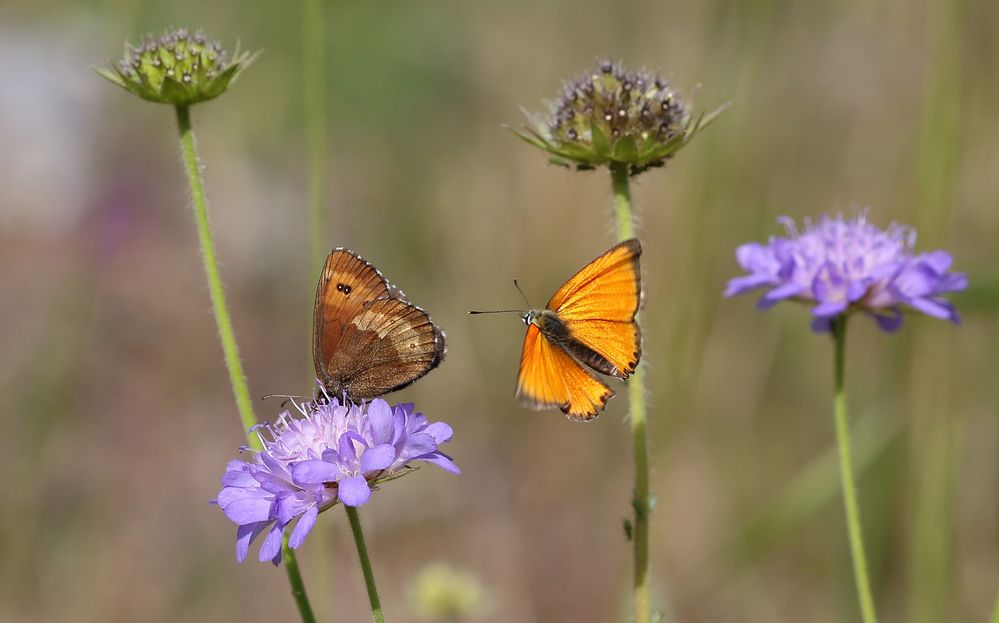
<point x="550" y="378"/>
<point x="385" y="347"/>
<point x="598" y="305"/>
<point x="367" y="338"/>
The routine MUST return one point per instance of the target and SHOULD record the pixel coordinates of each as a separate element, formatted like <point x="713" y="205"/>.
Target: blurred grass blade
<point x="815" y="486"/>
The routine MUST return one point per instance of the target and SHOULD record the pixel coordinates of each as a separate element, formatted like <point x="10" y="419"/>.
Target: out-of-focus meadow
<point x="115" y="410"/>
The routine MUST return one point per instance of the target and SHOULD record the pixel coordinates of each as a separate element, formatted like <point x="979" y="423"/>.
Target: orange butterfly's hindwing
<point x="550" y="378"/>
<point x="368" y="340"/>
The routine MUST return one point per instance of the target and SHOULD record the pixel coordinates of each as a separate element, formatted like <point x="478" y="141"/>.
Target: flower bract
<point x="612" y="115"/>
<point x="176" y="68"/>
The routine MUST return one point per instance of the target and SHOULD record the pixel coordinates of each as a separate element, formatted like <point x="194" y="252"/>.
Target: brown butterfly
<point x="367" y="339"/>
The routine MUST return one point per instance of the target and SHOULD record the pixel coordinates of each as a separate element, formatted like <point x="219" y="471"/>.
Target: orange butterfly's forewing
<point x="598" y="306"/>
<point x="551" y="378"/>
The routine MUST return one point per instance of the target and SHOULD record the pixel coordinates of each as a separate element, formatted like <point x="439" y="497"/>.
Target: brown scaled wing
<point x="367" y="339"/>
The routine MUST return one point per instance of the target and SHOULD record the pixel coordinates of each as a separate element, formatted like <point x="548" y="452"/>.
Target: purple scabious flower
<point x="333" y="453"/>
<point x="840" y="265"/>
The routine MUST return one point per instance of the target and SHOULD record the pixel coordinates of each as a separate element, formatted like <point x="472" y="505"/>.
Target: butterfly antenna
<point x="498" y="311"/>
<point x="508" y="311"/>
<point x="522" y="295"/>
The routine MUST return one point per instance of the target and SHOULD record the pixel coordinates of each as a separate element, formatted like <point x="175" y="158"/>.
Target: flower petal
<point x="418" y="444"/>
<point x="271" y="547"/>
<point x="828" y="309"/>
<point x="303" y="527"/>
<point x="380" y="417"/>
<point x="778" y="294"/>
<point x="245" y="535"/>
<point x="890" y="321"/>
<point x="440" y="431"/>
<point x="354" y="491"/>
<point x="293" y="505"/>
<point x="249" y="510"/>
<point x="741" y="285"/>
<point x="377" y="458"/>
<point x="441" y="460"/>
<point x="315" y="472"/>
<point x="933" y="308"/>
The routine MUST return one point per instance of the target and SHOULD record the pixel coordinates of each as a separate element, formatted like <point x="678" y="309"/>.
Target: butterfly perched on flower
<point x="367" y="338"/>
<point x="588" y="325"/>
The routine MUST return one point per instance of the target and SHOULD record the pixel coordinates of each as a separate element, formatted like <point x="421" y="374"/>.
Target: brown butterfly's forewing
<point x="368" y="340"/>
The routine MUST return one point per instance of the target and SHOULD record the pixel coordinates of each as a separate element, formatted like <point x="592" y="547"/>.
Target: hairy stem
<point x="636" y="412"/>
<point x="297" y="585"/>
<point x="846" y="475"/>
<point x="362" y="554"/>
<point x="231" y="352"/>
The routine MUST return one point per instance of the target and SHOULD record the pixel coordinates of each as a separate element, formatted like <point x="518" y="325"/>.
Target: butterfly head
<point x="530" y="317"/>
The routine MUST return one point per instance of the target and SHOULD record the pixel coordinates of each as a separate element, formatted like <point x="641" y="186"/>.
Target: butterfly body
<point x="367" y="338"/>
<point x="589" y="324"/>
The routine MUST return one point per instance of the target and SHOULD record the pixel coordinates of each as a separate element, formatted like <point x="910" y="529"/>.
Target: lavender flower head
<point x="840" y="265"/>
<point x="333" y="452"/>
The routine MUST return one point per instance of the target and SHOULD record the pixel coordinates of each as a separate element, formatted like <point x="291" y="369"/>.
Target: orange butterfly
<point x="588" y="323"/>
<point x="367" y="339"/>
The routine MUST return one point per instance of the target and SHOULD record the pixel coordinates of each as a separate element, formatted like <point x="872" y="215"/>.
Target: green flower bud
<point x="612" y="115"/>
<point x="176" y="68"/>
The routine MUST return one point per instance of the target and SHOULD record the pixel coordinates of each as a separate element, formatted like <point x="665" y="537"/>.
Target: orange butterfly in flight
<point x="588" y="323"/>
<point x="367" y="339"/>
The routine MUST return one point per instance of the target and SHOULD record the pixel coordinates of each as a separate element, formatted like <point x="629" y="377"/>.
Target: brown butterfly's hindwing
<point x="368" y="340"/>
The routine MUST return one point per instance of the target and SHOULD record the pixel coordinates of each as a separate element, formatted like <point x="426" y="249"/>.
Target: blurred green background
<point x="116" y="414"/>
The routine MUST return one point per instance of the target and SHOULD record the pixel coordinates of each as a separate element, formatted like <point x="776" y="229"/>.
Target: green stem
<point x="236" y="376"/>
<point x="362" y="554"/>
<point x="636" y="405"/>
<point x="314" y="63"/>
<point x="995" y="612"/>
<point x="622" y="202"/>
<point x="297" y="585"/>
<point x="846" y="475"/>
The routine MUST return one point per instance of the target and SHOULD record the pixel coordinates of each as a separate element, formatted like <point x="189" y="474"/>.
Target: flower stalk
<point x="850" y="502"/>
<point x="362" y="553"/>
<point x="636" y="412"/>
<point x="237" y="377"/>
<point x="297" y="585"/>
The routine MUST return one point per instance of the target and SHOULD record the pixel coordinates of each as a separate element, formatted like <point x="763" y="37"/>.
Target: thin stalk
<point x="314" y="79"/>
<point x="232" y="363"/>
<point x="995" y="612"/>
<point x="295" y="580"/>
<point x="846" y="475"/>
<point x="636" y="413"/>
<point x="231" y="352"/>
<point x="362" y="554"/>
